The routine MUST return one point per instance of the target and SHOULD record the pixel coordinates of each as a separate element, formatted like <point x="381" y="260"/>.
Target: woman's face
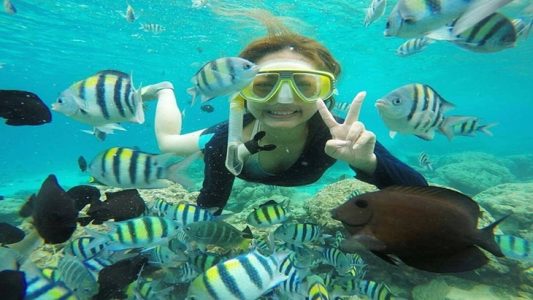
<point x="285" y="109"/>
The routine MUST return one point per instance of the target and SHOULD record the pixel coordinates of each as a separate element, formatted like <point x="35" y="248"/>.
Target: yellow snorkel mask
<point x="308" y="84"/>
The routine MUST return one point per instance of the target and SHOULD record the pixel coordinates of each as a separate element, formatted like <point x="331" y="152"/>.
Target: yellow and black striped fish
<point x="464" y="126"/>
<point x="374" y="290"/>
<point x="494" y="33"/>
<point x="298" y="233"/>
<point x="130" y="168"/>
<point x="136" y="233"/>
<point x="222" y="77"/>
<point x="413" y="109"/>
<point x="184" y="213"/>
<point x="316" y="288"/>
<point x="218" y="233"/>
<point x="246" y="276"/>
<point x="102" y="100"/>
<point x="267" y="214"/>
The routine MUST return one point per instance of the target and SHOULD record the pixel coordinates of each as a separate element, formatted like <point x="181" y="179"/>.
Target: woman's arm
<point x="168" y="121"/>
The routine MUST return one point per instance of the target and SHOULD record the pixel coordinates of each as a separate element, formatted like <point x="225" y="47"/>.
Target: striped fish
<point x="203" y="261"/>
<point x="344" y="287"/>
<point x="76" y="276"/>
<point x="316" y="289"/>
<point x="298" y="233"/>
<point x="184" y="273"/>
<point x="492" y="34"/>
<point x="413" y="46"/>
<point x="152" y="28"/>
<point x="413" y="109"/>
<point x="268" y="214"/>
<point x="140" y="232"/>
<point x="129" y="168"/>
<point x="425" y="162"/>
<point x="186" y="213"/>
<point x="95" y="265"/>
<point x="464" y="126"/>
<point x="221" y="77"/>
<point x="246" y="276"/>
<point x="288" y="267"/>
<point x="39" y="287"/>
<point x="374" y="290"/>
<point x="102" y="100"/>
<point x="164" y="256"/>
<point x="217" y="233"/>
<point x="515" y="247"/>
<point x="415" y="18"/>
<point x="79" y="248"/>
<point x="336" y="258"/>
<point x="374" y="11"/>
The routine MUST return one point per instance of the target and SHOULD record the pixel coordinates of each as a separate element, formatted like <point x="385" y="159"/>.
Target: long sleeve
<point x="391" y="171"/>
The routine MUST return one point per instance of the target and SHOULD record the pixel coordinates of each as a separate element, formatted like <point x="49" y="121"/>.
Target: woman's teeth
<point x="281" y="113"/>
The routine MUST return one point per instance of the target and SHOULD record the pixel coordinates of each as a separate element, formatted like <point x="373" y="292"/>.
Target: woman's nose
<point x="285" y="95"/>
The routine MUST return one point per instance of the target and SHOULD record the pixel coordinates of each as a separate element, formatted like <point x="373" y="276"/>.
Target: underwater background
<point x="48" y="45"/>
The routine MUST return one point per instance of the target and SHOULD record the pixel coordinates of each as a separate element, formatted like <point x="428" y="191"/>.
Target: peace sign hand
<point x="350" y="142"/>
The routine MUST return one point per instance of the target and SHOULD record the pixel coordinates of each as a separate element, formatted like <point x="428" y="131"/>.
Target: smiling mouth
<point x="282" y="114"/>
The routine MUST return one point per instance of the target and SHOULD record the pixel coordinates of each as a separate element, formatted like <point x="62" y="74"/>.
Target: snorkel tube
<point x="237" y="151"/>
<point x="234" y="159"/>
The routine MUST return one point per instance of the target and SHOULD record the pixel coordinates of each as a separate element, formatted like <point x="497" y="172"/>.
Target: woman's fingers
<point x="326" y="114"/>
<point x="355" y="108"/>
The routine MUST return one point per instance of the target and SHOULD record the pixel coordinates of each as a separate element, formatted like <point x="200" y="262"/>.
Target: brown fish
<point x="429" y="228"/>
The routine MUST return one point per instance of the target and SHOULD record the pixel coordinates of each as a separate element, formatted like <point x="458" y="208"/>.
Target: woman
<point x="285" y="102"/>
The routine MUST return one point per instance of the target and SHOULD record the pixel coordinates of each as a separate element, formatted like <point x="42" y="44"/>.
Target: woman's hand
<point x="350" y="142"/>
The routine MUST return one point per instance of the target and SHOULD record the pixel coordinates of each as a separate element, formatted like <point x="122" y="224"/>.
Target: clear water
<point x="48" y="45"/>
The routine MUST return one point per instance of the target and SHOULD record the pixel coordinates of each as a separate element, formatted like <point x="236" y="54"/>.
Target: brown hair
<point x="309" y="48"/>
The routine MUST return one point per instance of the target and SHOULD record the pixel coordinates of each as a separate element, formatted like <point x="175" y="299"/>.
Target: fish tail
<point x="139" y="109"/>
<point x="192" y="91"/>
<point x="487" y="241"/>
<point x="485" y="128"/>
<point x="174" y="171"/>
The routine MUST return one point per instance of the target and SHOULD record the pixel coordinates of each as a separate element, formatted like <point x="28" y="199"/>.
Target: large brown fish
<point x="429" y="228"/>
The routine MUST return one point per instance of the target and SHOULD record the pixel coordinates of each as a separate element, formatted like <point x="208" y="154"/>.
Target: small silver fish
<point x="424" y="161"/>
<point x="374" y="11"/>
<point x="9" y="8"/>
<point x="130" y="14"/>
<point x="153" y="28"/>
<point x="413" y="46"/>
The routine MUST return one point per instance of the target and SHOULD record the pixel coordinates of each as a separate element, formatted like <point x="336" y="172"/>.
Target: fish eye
<point x="247" y="66"/>
<point x="396" y="101"/>
<point x="409" y="21"/>
<point x="361" y="203"/>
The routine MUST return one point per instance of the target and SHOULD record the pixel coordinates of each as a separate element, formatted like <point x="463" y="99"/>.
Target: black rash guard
<point x="309" y="167"/>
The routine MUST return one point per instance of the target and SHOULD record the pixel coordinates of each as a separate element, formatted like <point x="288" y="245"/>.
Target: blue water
<point x="48" y="45"/>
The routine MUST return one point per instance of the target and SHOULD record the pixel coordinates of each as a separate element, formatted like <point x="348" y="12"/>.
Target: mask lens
<point x="307" y="84"/>
<point x="264" y="84"/>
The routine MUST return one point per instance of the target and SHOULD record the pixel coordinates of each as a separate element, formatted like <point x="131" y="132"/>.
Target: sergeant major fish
<point x="413" y="46"/>
<point x="221" y="77"/>
<point x="244" y="277"/>
<point x="467" y="126"/>
<point x="515" y="247"/>
<point x="424" y="161"/>
<point x="415" y="109"/>
<point x="415" y="18"/>
<point x="268" y="214"/>
<point x="492" y="34"/>
<point x="129" y="168"/>
<point x="102" y="100"/>
<point x="374" y="11"/>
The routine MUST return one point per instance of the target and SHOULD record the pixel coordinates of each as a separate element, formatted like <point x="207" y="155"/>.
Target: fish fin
<point x="174" y="170"/>
<point x="82" y="164"/>
<point x="109" y="128"/>
<point x="247" y="233"/>
<point x="27" y="209"/>
<point x="476" y="12"/>
<point x="442" y="34"/>
<point x="393" y="260"/>
<point x="486" y="238"/>
<point x="485" y="128"/>
<point x="465" y="260"/>
<point x="427" y="136"/>
<point x="392" y="134"/>
<point x="84" y="221"/>
<point x="139" y="109"/>
<point x="192" y="91"/>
